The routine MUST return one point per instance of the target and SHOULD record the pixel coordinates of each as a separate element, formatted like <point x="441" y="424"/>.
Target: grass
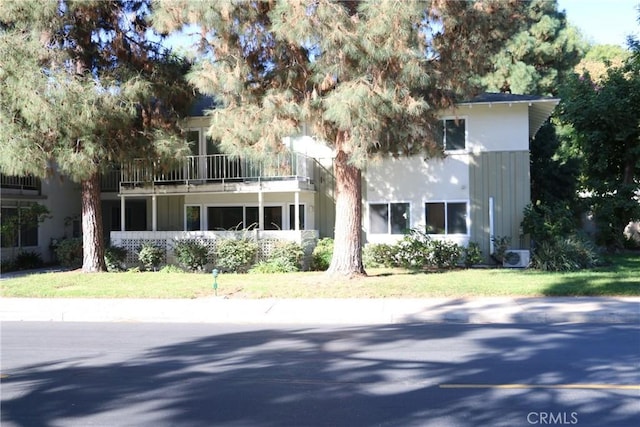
<point x="620" y="278"/>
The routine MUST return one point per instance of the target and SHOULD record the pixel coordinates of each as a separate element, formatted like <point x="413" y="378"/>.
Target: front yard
<point x="620" y="278"/>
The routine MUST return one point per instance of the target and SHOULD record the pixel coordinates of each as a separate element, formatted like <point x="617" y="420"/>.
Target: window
<point x="192" y="218"/>
<point x="389" y="218"/>
<point x="446" y="217"/>
<point x="240" y="217"/>
<point x="453" y="134"/>
<point x="292" y="217"/>
<point x="25" y="234"/>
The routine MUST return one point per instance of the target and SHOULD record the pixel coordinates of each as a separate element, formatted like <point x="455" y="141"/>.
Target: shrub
<point x="69" y="252"/>
<point x="546" y="222"/>
<point x="27" y="260"/>
<point x="322" y="253"/>
<point x="472" y="254"/>
<point x="169" y="268"/>
<point x="379" y="255"/>
<point x="444" y="254"/>
<point x="236" y="255"/>
<point x="277" y="265"/>
<point x="287" y="255"/>
<point x="413" y="250"/>
<point x="7" y="265"/>
<point x="150" y="256"/>
<point x="565" y="254"/>
<point x="191" y="254"/>
<point x="500" y="246"/>
<point x="114" y="257"/>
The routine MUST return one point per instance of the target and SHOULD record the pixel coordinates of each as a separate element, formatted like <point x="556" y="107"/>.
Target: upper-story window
<point x="453" y="134"/>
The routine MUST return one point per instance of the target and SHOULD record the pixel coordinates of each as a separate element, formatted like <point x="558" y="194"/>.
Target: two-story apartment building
<point x="478" y="190"/>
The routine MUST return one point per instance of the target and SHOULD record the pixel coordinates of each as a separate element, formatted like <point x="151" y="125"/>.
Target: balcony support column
<point x="296" y="210"/>
<point x="154" y="213"/>
<point x="122" y="213"/>
<point x="260" y="210"/>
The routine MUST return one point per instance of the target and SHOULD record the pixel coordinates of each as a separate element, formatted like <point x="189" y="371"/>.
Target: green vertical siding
<point x="504" y="176"/>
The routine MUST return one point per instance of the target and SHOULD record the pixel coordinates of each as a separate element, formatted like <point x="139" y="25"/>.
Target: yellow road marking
<point x="547" y="386"/>
<point x="2" y="376"/>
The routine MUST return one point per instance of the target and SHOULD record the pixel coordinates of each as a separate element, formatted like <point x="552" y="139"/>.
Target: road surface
<point x="139" y="374"/>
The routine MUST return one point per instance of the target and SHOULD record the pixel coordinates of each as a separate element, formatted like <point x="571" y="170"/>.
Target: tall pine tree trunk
<point x="92" y="237"/>
<point x="347" y="250"/>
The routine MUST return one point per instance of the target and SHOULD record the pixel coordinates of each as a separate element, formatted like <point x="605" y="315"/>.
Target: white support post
<point x="296" y="211"/>
<point x="122" y="213"/>
<point x="260" y="210"/>
<point x="154" y="213"/>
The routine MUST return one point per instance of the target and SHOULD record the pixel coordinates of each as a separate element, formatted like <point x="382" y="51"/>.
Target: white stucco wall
<point x="497" y="127"/>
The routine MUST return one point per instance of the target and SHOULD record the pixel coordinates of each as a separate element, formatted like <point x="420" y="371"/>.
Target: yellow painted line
<point x="546" y="386"/>
<point x="3" y="376"/>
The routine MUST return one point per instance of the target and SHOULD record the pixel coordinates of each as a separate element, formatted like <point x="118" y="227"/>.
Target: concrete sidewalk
<point x="327" y="311"/>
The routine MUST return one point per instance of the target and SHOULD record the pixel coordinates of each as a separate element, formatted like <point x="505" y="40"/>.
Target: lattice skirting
<point x="267" y="241"/>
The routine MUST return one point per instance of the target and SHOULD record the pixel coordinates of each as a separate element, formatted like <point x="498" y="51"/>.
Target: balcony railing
<point x="20" y="182"/>
<point x="218" y="168"/>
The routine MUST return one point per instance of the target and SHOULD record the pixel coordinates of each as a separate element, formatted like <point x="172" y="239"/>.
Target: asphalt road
<point x="133" y="374"/>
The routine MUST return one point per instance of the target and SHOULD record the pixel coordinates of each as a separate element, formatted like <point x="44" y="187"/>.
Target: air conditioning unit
<point x="516" y="258"/>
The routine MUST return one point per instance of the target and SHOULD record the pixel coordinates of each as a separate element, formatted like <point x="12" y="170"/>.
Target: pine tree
<point x="540" y="56"/>
<point x="82" y="88"/>
<point x="367" y="77"/>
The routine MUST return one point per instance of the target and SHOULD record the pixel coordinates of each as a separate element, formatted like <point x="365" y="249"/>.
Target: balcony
<point x="216" y="172"/>
<point x="20" y="184"/>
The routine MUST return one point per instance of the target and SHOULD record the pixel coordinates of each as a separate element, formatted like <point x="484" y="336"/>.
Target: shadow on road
<point x="356" y="376"/>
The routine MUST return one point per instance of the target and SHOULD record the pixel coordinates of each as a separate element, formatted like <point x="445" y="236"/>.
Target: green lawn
<point x="621" y="277"/>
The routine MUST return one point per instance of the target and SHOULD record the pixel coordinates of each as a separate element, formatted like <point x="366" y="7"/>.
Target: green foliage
<point x="500" y="246"/>
<point x="444" y="254"/>
<point x="565" y="254"/>
<point x="546" y="222"/>
<point x="69" y="252"/>
<point x="276" y="265"/>
<point x="235" y="255"/>
<point x="322" y="253"/>
<point x="286" y="256"/>
<point x="379" y="255"/>
<point x="413" y="251"/>
<point x="85" y="84"/>
<point x="170" y="268"/>
<point x="540" y="56"/>
<point x="150" y="256"/>
<point x="191" y="254"/>
<point x="555" y="167"/>
<point x="603" y="116"/>
<point x="7" y="265"/>
<point x="472" y="254"/>
<point x="114" y="257"/>
<point x="27" y="260"/>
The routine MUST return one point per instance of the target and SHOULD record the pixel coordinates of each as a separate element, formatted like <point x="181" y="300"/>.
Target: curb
<point x="327" y="311"/>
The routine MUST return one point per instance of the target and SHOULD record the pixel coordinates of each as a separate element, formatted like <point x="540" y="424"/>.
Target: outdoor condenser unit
<point x="516" y="258"/>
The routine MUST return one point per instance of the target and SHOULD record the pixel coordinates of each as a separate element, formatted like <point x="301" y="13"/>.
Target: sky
<point x="603" y="21"/>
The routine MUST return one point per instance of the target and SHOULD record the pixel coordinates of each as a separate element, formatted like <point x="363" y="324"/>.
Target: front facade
<point x="478" y="190"/>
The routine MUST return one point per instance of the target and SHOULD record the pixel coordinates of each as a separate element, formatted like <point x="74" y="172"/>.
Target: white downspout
<point x="492" y="248"/>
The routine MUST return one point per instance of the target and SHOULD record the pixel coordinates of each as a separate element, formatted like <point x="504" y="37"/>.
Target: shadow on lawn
<point x="356" y="376"/>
